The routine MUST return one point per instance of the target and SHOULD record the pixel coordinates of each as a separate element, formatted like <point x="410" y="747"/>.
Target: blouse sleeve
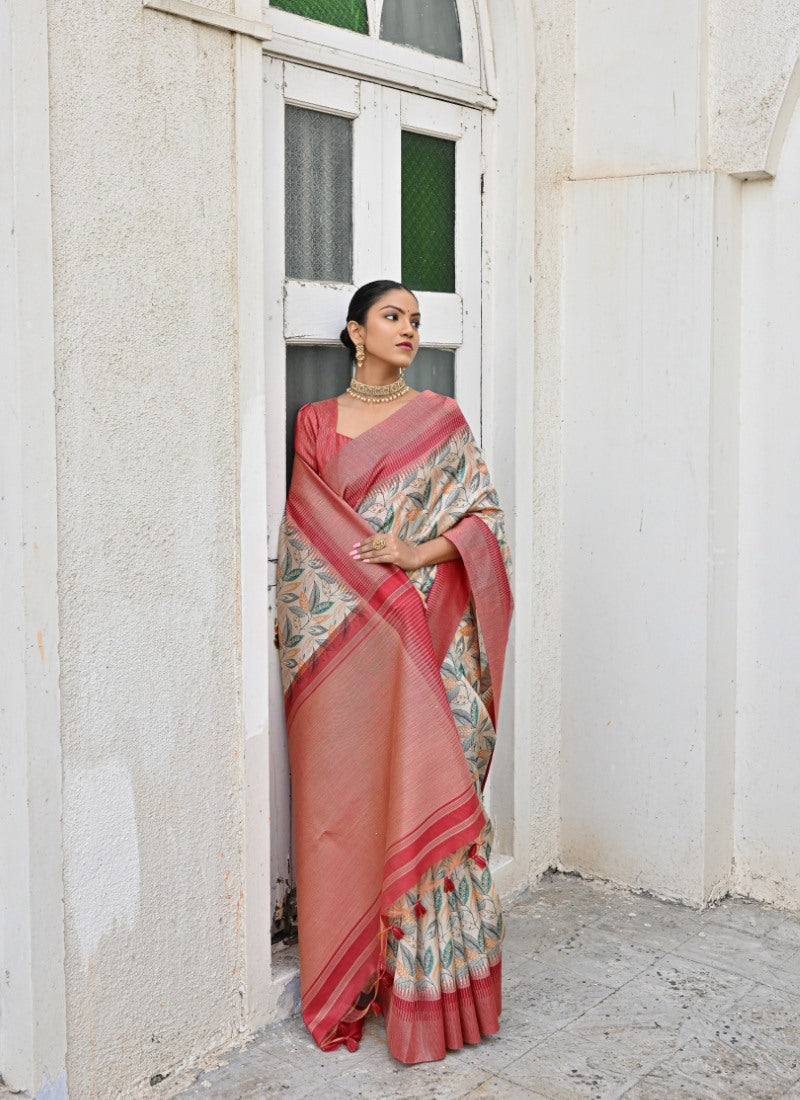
<point x="305" y="436"/>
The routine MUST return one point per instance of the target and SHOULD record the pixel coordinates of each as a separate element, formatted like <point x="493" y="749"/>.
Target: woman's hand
<point x="387" y="550"/>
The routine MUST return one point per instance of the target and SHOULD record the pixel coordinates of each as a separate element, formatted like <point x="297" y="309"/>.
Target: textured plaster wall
<point x="146" y="392"/>
<point x="768" y="762"/>
<point x="554" y="25"/>
<point x="554" y="29"/>
<point x="753" y="48"/>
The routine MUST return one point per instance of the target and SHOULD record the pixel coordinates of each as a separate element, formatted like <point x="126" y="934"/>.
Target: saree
<point x="391" y="685"/>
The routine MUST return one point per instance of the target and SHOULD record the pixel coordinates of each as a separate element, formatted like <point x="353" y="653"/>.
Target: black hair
<point x="362" y="301"/>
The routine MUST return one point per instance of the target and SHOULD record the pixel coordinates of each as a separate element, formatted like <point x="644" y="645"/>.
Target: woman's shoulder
<point x="447" y="406"/>
<point x="316" y="412"/>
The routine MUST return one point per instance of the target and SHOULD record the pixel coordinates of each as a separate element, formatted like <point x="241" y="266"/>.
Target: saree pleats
<point x="391" y="682"/>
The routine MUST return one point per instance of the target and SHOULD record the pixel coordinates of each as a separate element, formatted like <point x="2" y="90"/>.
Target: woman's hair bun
<point x="344" y="336"/>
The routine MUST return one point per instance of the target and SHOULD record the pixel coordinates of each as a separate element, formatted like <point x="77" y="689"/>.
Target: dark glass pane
<point x="430" y="25"/>
<point x="312" y="374"/>
<point x="319" y="196"/>
<point x="350" y="14"/>
<point x="428" y="212"/>
<point x="433" y="369"/>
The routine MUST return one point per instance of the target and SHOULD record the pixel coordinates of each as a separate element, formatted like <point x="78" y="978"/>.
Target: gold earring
<point x="361" y="354"/>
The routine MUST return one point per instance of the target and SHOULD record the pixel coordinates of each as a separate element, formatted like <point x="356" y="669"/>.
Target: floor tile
<point x="603" y="956"/>
<point x="757" y="957"/>
<point x="605" y="994"/>
<point x="710" y="1069"/>
<point x="567" y="1070"/>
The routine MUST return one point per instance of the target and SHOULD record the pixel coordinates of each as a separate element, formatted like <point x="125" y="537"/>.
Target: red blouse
<point x="315" y="437"/>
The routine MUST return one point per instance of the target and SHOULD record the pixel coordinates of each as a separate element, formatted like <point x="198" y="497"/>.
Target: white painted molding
<point x="210" y="17"/>
<point x="385" y="72"/>
<point x="33" y="1019"/>
<point x="791" y="97"/>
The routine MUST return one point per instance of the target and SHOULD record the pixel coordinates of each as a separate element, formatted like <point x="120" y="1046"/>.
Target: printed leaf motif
<point x="427" y="960"/>
<point x="447" y="955"/>
<point x="486" y="880"/>
<point x="295" y="639"/>
<point x="463" y="891"/>
<point x="326" y="606"/>
<point x="292" y="574"/>
<point x="437" y="899"/>
<point x="313" y="599"/>
<point x="409" y="962"/>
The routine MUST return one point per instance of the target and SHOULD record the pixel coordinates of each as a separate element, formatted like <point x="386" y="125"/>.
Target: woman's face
<point x="390" y="332"/>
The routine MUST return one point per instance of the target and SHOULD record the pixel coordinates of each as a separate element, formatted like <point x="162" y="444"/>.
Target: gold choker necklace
<point x="377" y="395"/>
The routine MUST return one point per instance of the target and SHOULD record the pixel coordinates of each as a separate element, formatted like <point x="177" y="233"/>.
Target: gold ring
<point x="378" y="543"/>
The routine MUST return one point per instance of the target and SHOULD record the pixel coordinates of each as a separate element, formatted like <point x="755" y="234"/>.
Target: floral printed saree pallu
<point x="392" y="683"/>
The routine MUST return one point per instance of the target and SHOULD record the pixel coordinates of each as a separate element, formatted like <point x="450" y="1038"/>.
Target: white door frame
<point x="33" y="1036"/>
<point x="506" y="406"/>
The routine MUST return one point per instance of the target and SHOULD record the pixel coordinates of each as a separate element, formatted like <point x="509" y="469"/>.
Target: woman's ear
<point x="357" y="334"/>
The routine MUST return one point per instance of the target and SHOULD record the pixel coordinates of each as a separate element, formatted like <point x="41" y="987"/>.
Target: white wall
<point x="146" y="390"/>
<point x="640" y="81"/>
<point x="647" y="577"/>
<point x="768" y="760"/>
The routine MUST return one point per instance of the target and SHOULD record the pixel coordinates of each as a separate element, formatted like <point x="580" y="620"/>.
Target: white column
<point x="650" y="500"/>
<point x="32" y="994"/>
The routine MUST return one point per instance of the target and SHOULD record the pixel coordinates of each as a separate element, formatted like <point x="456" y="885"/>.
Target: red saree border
<point x="365" y="461"/>
<point x="360" y="960"/>
<point x="491" y="593"/>
<point x="423" y="1029"/>
<point x="394" y="597"/>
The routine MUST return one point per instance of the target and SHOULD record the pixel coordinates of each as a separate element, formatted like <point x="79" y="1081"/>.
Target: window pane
<point x="428" y="211"/>
<point x="319" y="204"/>
<point x="351" y="14"/>
<point x="312" y="374"/>
<point x="430" y="25"/>
<point x="433" y="369"/>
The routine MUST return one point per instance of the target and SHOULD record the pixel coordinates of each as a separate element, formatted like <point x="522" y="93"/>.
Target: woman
<point x="393" y="609"/>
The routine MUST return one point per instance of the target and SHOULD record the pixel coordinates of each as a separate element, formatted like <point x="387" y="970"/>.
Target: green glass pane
<point x="433" y="369"/>
<point x="350" y="14"/>
<point x="428" y="205"/>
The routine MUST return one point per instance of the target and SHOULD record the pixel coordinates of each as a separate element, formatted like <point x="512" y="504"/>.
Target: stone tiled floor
<point x="606" y="994"/>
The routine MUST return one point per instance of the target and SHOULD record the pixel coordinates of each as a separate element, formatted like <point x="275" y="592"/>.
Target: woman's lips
<point x="404" y="344"/>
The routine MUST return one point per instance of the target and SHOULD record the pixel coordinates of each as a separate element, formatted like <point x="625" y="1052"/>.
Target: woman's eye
<point x="390" y="316"/>
<point x="416" y="324"/>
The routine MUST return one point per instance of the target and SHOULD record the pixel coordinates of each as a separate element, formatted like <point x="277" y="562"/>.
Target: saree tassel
<point x="479" y="861"/>
<point x="419" y="909"/>
<point x="449" y="887"/>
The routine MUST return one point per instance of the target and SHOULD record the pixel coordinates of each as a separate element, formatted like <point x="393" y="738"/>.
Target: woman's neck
<point x="375" y="372"/>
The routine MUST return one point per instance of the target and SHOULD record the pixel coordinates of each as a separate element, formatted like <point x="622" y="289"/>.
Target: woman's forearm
<point x="436" y="550"/>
